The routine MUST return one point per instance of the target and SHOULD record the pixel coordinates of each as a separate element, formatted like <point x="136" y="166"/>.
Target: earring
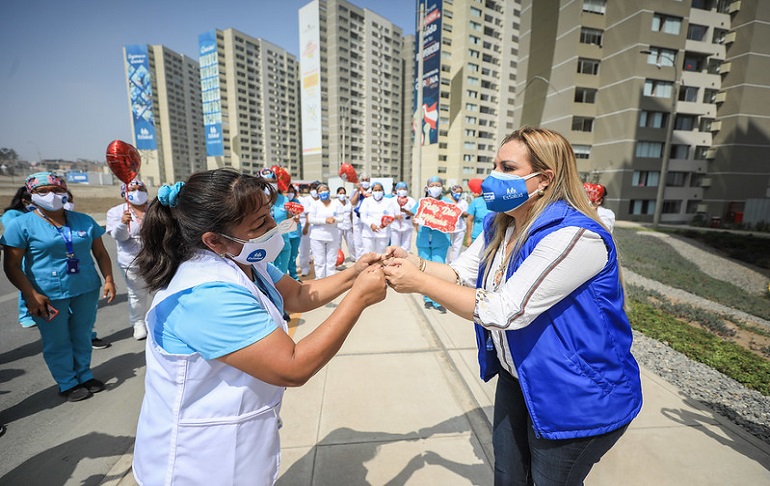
<point x="223" y="255"/>
<point x="541" y="193"/>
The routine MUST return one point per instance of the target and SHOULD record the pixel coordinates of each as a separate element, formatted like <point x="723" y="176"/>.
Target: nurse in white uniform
<point x="218" y="352"/>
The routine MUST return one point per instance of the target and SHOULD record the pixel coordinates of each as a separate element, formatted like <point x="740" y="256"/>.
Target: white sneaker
<point x="140" y="332"/>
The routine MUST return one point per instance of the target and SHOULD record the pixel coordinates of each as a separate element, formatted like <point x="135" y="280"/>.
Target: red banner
<point x="438" y="215"/>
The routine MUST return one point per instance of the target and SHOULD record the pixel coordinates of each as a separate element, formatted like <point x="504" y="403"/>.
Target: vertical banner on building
<point x="310" y="77"/>
<point x="431" y="69"/>
<point x="140" y="94"/>
<point x="212" y="104"/>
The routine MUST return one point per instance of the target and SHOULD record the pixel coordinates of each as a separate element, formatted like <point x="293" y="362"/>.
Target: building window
<point x="653" y="150"/>
<point x="645" y="178"/>
<point x="585" y="95"/>
<point x="705" y="124"/>
<point x="710" y="95"/>
<point x="696" y="179"/>
<point x="692" y="206"/>
<point x="688" y="93"/>
<point x="469" y="146"/>
<point x="696" y="32"/>
<point x="475" y="12"/>
<point x="595" y="6"/>
<point x="582" y="124"/>
<point x="672" y="207"/>
<point x="685" y="122"/>
<point x="588" y="66"/>
<point x="641" y="206"/>
<point x="700" y="152"/>
<point x="661" y="57"/>
<point x="666" y="23"/>
<point x="653" y="119"/>
<point x="676" y="179"/>
<point x="582" y="151"/>
<point x="719" y="36"/>
<point x="591" y="36"/>
<point x="658" y="88"/>
<point x="679" y="151"/>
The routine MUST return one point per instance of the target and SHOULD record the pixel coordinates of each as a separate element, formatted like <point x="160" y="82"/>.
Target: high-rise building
<point x="667" y="87"/>
<point x="250" y="102"/>
<point x="351" y="85"/>
<point x="469" y="72"/>
<point x="165" y="101"/>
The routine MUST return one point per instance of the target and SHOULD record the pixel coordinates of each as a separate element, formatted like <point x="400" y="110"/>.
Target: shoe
<point x="429" y="305"/>
<point x="97" y="343"/>
<point x="441" y="309"/>
<point x="76" y="393"/>
<point x="93" y="385"/>
<point x="2" y="430"/>
<point x="140" y="332"/>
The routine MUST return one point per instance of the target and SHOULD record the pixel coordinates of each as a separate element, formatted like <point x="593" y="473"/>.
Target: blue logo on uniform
<point x="256" y="255"/>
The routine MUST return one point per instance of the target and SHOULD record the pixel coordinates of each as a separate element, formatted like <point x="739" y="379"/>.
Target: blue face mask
<point x="457" y="195"/>
<point x="323" y="196"/>
<point x="505" y="192"/>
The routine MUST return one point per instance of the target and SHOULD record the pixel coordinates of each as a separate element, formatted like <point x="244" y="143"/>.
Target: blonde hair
<point x="547" y="150"/>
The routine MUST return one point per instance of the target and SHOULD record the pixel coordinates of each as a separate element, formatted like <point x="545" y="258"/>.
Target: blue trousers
<point x="294" y="242"/>
<point x="522" y="458"/>
<point x="432" y="254"/>
<point x="282" y="260"/>
<point x="67" y="339"/>
<point x="25" y="318"/>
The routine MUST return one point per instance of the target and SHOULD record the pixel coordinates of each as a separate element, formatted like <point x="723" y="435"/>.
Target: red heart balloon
<point x="348" y="173"/>
<point x="282" y="178"/>
<point x="123" y="160"/>
<point x="386" y="220"/>
<point x="340" y="258"/>
<point x="294" y="208"/>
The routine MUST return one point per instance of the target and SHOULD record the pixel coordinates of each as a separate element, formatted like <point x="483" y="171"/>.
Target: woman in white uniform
<point x="376" y="232"/>
<point x="324" y="216"/>
<point x="218" y="354"/>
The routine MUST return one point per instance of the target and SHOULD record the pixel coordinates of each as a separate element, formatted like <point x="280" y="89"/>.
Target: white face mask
<point x="313" y="193"/>
<point x="366" y="184"/>
<point x="342" y="197"/>
<point x="290" y="195"/>
<point x="402" y="193"/>
<point x="69" y="206"/>
<point x="377" y="195"/>
<point x="50" y="202"/>
<point x="265" y="248"/>
<point x="137" y="198"/>
<point x="435" y="191"/>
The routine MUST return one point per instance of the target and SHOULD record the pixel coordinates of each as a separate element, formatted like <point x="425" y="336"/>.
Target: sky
<point x="61" y="65"/>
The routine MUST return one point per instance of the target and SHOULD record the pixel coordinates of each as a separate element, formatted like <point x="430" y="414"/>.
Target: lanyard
<point x="133" y="214"/>
<point x="65" y="232"/>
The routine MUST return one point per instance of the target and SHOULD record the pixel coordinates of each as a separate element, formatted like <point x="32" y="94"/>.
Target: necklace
<point x="504" y="254"/>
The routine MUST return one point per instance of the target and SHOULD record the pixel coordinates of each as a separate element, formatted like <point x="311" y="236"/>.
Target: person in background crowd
<point x="458" y="235"/>
<point x="362" y="191"/>
<point x="543" y="288"/>
<point x="432" y="245"/>
<point x="48" y="258"/>
<point x="294" y="236"/>
<point x="219" y="355"/>
<point x="477" y="211"/>
<point x="279" y="214"/>
<point x="124" y="224"/>
<point x="346" y="222"/>
<point x="304" y="245"/>
<point x="324" y="215"/>
<point x="401" y="229"/>
<point x="376" y="232"/>
<point x="20" y="204"/>
<point x="596" y="194"/>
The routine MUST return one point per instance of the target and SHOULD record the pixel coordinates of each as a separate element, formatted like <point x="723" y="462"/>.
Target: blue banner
<point x="77" y="177"/>
<point x="140" y="93"/>
<point x="431" y="69"/>
<point x="212" y="105"/>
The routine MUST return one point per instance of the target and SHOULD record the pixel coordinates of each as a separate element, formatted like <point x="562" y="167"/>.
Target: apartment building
<point x="164" y="98"/>
<point x="642" y="90"/>
<point x="470" y="50"/>
<point x="250" y="103"/>
<point x="351" y="87"/>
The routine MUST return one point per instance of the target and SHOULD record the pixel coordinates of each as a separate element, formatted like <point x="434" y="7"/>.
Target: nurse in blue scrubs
<point x="48" y="258"/>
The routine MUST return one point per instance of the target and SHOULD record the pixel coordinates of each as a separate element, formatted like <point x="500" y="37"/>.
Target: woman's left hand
<point x="109" y="291"/>
<point x="402" y="276"/>
<point x="366" y="260"/>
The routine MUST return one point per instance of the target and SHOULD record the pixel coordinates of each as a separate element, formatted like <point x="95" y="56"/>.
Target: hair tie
<point x="168" y="195"/>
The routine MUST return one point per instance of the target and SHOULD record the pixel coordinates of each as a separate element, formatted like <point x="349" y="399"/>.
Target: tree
<point x="7" y="154"/>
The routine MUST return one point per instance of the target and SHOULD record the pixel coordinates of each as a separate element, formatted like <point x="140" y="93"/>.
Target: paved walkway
<point x="402" y="404"/>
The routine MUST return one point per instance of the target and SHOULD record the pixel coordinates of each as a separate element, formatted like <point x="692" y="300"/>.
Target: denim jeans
<point x="522" y="458"/>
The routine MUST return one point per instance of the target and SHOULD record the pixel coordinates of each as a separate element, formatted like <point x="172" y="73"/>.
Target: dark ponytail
<point x="213" y="200"/>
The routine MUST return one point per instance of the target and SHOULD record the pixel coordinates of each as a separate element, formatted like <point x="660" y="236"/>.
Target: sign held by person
<point x="438" y="215"/>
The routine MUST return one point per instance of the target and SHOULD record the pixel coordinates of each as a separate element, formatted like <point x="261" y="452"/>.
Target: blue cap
<point x="401" y="185"/>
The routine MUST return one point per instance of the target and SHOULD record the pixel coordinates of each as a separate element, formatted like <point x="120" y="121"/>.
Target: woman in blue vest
<point x="432" y="245"/>
<point x="543" y="288"/>
<point x="219" y="354"/>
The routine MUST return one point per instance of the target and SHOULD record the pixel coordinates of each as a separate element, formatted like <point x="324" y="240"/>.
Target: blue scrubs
<point x="294" y="241"/>
<point x="477" y="209"/>
<point x="67" y="337"/>
<point x="215" y="331"/>
<point x="279" y="213"/>
<point x="25" y="318"/>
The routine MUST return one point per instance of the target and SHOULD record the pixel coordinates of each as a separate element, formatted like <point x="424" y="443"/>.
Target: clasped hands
<point x="397" y="268"/>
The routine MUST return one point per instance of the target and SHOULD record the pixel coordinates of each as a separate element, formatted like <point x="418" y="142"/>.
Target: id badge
<point x="73" y="265"/>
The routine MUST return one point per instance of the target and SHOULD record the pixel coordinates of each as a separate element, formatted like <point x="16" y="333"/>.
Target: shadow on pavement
<point x="57" y="464"/>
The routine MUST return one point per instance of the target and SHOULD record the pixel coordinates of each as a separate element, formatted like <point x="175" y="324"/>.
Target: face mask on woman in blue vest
<point x="505" y="192"/>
